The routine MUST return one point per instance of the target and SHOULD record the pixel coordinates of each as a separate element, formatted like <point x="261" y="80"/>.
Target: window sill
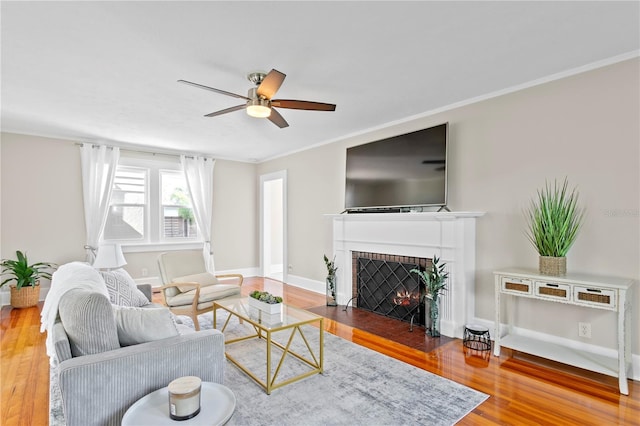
<point x="147" y="247"/>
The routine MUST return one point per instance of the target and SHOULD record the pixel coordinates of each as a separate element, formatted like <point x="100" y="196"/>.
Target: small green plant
<point x="554" y="219"/>
<point x="266" y="297"/>
<point x="331" y="265"/>
<point x="331" y="280"/>
<point x="434" y="278"/>
<point x="24" y="274"/>
<point x="435" y="281"/>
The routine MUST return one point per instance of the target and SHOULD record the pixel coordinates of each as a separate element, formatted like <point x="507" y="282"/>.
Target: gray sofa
<point x="98" y="385"/>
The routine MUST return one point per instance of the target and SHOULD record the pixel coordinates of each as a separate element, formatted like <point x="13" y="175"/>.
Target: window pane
<point x="125" y="223"/>
<point x="177" y="212"/>
<point x="179" y="223"/>
<point x="120" y="197"/>
<point x="174" y="189"/>
<point x="129" y="186"/>
<point x="127" y="210"/>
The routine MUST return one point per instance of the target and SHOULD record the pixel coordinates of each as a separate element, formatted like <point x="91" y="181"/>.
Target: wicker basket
<point x="25" y="297"/>
<point x="553" y="265"/>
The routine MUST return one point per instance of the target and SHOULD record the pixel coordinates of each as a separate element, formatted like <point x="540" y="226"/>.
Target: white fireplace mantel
<point x="451" y="236"/>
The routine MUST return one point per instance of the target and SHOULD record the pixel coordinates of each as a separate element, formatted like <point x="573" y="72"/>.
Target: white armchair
<point x="188" y="288"/>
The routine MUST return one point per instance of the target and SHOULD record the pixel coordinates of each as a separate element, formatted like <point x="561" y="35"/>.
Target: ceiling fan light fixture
<point x="258" y="111"/>
<point x="259" y="108"/>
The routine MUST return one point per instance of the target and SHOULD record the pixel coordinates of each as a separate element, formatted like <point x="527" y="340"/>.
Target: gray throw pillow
<point x="140" y="325"/>
<point x="87" y="318"/>
<point x="122" y="289"/>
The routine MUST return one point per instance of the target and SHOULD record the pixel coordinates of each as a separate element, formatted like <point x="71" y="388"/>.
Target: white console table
<point x="613" y="294"/>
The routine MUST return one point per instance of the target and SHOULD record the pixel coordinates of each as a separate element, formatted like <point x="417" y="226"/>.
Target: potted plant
<point x="26" y="290"/>
<point x="553" y="220"/>
<point x="265" y="301"/>
<point x="331" y="281"/>
<point x="434" y="280"/>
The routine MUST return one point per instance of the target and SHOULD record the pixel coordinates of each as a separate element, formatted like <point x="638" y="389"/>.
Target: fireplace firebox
<point x="384" y="285"/>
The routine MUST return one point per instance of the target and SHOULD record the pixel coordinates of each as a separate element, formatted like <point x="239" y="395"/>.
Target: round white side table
<point x="217" y="404"/>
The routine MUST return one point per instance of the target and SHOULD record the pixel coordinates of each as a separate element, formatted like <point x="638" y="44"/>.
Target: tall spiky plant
<point x="554" y="219"/>
<point x="434" y="278"/>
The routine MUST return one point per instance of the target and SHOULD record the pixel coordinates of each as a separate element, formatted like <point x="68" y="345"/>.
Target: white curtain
<point x="98" y="170"/>
<point x="198" y="172"/>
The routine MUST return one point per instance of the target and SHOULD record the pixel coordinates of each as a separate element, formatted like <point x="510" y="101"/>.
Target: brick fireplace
<point x="448" y="235"/>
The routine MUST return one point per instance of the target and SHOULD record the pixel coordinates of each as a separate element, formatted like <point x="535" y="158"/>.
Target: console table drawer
<point x="553" y="291"/>
<point x="517" y="285"/>
<point x="593" y="296"/>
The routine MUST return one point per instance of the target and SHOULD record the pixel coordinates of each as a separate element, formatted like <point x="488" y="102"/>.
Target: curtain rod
<point x="140" y="151"/>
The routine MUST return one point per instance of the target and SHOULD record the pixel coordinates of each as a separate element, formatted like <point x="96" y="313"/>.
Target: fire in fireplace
<point x="384" y="285"/>
<point x="405" y="298"/>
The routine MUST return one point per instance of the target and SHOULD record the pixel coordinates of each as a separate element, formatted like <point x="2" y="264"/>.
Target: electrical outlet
<point x="145" y="272"/>
<point x="584" y="329"/>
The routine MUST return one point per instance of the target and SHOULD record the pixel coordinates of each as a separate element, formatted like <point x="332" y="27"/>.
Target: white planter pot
<point x="275" y="308"/>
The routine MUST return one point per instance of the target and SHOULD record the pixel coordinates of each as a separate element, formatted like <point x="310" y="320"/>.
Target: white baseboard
<point x="245" y="272"/>
<point x="634" y="374"/>
<point x="306" y="283"/>
<point x="5" y="297"/>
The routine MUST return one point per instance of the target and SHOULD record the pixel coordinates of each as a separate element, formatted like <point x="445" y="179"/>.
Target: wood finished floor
<point x="523" y="390"/>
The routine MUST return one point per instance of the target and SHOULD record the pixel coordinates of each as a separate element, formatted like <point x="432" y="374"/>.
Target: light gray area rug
<point x="358" y="387"/>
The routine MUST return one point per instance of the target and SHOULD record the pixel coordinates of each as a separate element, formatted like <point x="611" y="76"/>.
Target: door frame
<point x="282" y="174"/>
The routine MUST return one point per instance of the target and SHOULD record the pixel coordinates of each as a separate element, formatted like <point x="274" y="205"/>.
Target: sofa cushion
<point x="204" y="279"/>
<point x="139" y="325"/>
<point x="122" y="289"/>
<point x="207" y="295"/>
<point x="89" y="322"/>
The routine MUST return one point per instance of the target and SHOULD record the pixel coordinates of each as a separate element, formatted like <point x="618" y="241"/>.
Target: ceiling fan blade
<point x="222" y="92"/>
<point x="308" y="105"/>
<point x="270" y="84"/>
<point x="224" y="111"/>
<point x="277" y="119"/>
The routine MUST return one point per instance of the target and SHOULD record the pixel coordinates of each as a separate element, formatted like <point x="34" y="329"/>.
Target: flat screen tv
<point x="404" y="171"/>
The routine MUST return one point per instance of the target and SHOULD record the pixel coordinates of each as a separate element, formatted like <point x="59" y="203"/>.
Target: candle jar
<point x="184" y="397"/>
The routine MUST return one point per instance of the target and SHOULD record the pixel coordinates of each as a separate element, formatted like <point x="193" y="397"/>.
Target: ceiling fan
<point x="259" y="102"/>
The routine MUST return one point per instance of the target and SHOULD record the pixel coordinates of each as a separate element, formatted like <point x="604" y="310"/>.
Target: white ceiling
<point x="107" y="71"/>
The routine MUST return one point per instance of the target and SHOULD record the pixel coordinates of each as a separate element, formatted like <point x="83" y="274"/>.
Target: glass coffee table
<point x="289" y="322"/>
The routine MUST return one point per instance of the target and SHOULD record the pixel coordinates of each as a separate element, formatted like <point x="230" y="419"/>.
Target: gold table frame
<point x="289" y="319"/>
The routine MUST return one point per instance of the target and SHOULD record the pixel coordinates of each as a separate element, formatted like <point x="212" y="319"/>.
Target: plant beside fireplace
<point x="331" y="280"/>
<point x="434" y="280"/>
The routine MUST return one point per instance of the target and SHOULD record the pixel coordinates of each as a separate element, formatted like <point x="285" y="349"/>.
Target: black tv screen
<point x="408" y="170"/>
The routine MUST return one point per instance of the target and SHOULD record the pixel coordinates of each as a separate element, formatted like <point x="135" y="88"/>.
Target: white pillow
<point x="140" y="325"/>
<point x="122" y="289"/>
<point x="204" y="279"/>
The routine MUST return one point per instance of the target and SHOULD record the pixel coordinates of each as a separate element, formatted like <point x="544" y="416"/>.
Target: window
<point x="150" y="203"/>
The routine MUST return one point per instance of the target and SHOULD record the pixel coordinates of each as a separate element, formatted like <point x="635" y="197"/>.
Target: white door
<point x="273" y="233"/>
